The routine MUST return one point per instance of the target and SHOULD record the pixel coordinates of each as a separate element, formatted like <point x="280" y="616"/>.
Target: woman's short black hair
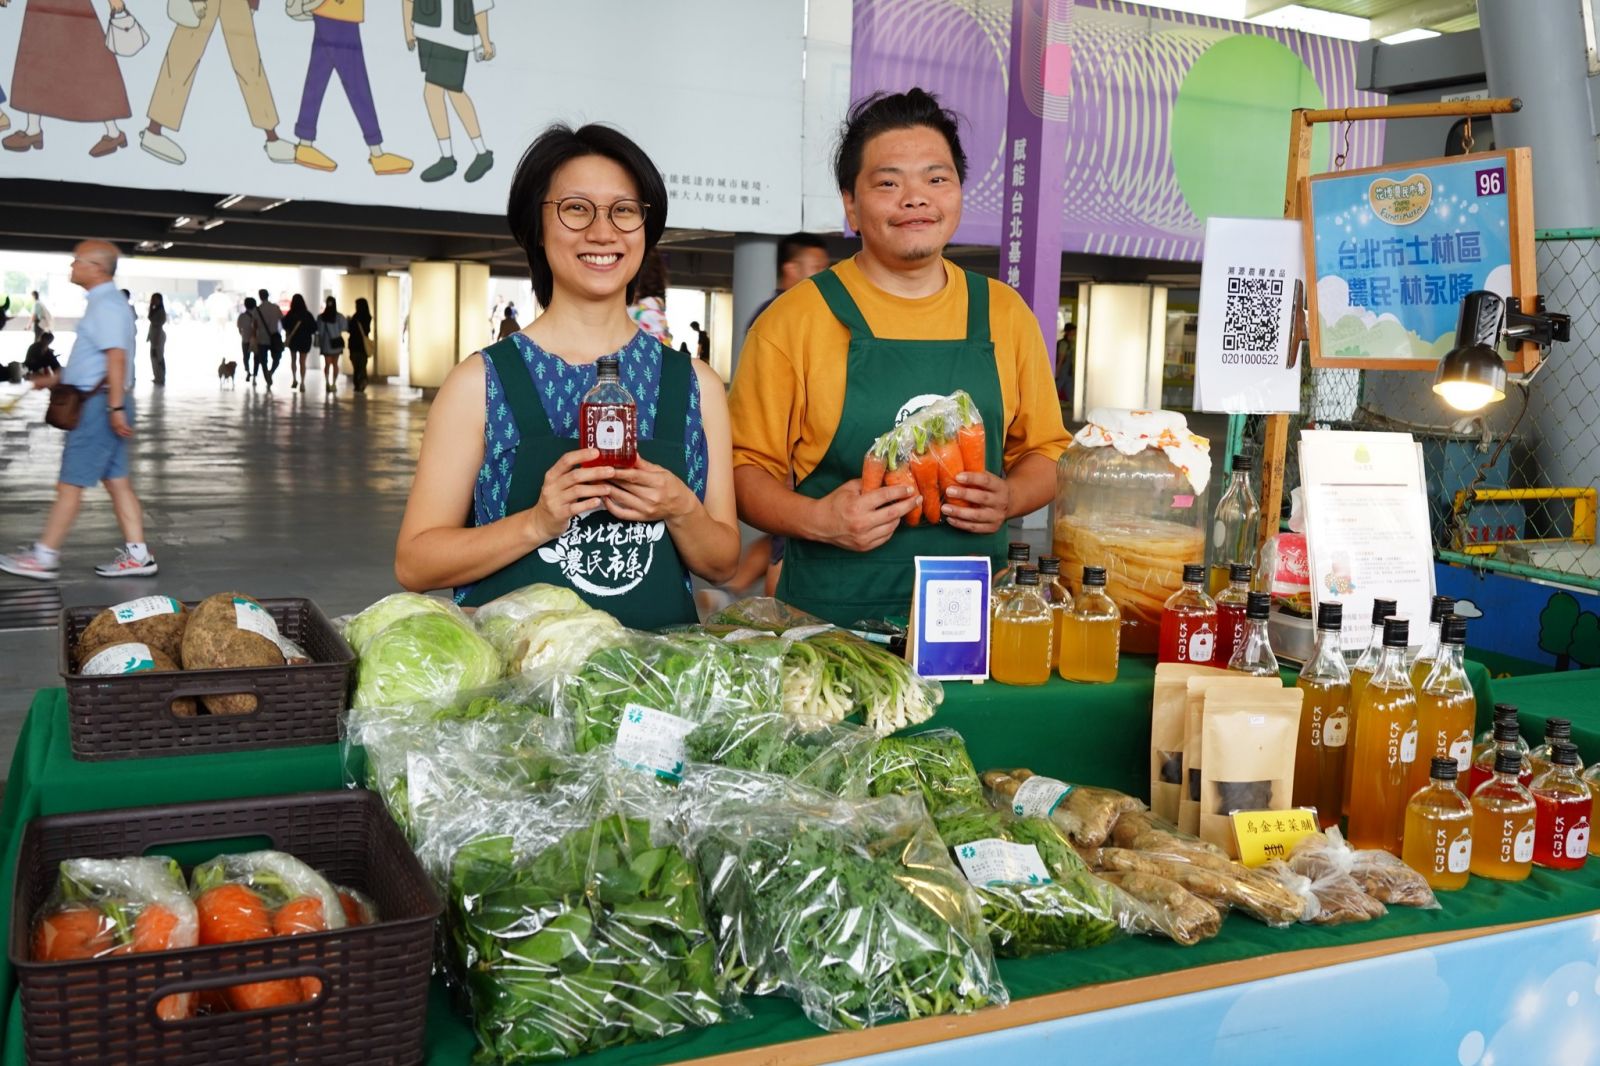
<point x="882" y="112"/>
<point x="530" y="186"/>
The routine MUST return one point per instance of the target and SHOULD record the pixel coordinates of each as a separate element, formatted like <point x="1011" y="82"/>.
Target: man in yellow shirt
<point x="845" y="355"/>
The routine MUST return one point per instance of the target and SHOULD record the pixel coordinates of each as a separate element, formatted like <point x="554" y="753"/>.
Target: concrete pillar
<point x="755" y="275"/>
<point x="472" y="307"/>
<point x="386" y="329"/>
<point x="1532" y="49"/>
<point x="350" y="288"/>
<point x="311" y="288"/>
<point x="449" y="306"/>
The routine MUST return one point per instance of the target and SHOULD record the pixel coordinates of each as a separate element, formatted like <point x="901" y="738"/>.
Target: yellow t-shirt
<point x="788" y="393"/>
<point x="342" y="10"/>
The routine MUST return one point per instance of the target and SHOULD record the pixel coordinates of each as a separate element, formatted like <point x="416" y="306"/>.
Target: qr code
<point x="1251" y="321"/>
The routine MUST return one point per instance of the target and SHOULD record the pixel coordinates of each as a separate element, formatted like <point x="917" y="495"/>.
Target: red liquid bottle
<point x="1562" y="803"/>
<point x="1189" y="622"/>
<point x="1231" y="603"/>
<point x="1507" y="735"/>
<point x="608" y="419"/>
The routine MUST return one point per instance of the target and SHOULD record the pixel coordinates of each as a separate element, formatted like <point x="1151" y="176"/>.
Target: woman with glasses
<point x="501" y="497"/>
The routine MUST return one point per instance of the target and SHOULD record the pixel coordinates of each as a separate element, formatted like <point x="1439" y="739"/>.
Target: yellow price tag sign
<point x="1267" y="835"/>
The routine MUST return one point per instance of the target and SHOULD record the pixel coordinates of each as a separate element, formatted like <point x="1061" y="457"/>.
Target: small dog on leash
<point x="225" y="371"/>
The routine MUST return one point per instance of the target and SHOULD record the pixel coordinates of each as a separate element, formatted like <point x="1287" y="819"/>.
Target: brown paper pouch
<point x="1193" y="757"/>
<point x="1247" y="754"/>
<point x="1167" y="726"/>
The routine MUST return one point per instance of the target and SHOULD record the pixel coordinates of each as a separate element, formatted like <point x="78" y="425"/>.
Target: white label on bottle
<point x="144" y="607"/>
<point x="1201" y="644"/>
<point x="1522" y="848"/>
<point x="954" y="612"/>
<point x="253" y="618"/>
<point x="128" y="658"/>
<point x="1459" y="856"/>
<point x="1336" y="732"/>
<point x="1461" y="752"/>
<point x="608" y="435"/>
<point x="652" y="740"/>
<point x="1000" y="862"/>
<point x="1038" y="797"/>
<point x="1578" y="839"/>
<point x="1408" y="746"/>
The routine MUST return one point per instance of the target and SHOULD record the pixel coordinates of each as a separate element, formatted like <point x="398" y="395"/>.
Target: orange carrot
<point x="873" y="468"/>
<point x="72" y="933"/>
<point x="230" y="913"/>
<point x="925" y="470"/>
<point x="947" y="453"/>
<point x="152" y="931"/>
<point x="970" y="436"/>
<point x="355" y="911"/>
<point x="302" y="915"/>
<point x="898" y="473"/>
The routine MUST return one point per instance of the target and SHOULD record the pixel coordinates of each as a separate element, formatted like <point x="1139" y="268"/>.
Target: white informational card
<point x="950" y="618"/>
<point x="1244" y="362"/>
<point x="1367" y="533"/>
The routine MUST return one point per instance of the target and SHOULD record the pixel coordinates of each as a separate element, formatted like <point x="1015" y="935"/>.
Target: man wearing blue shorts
<point x="101" y="365"/>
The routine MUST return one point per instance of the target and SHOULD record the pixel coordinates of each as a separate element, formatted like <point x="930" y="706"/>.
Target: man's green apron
<point x="881" y="376"/>
<point x="628" y="569"/>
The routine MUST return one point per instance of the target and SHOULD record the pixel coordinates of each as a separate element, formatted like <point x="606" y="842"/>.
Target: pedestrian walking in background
<point x="272" y="317"/>
<point x="508" y="324"/>
<point x="157" y="336"/>
<point x="330" y="341"/>
<point x="702" y="342"/>
<point x="360" y="343"/>
<point x="300" y="330"/>
<point x="43" y="321"/>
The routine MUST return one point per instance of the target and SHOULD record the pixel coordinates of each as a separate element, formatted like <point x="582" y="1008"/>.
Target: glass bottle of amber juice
<point x="1386" y="744"/>
<point x="1091" y="633"/>
<point x="1360" y="673"/>
<point x="1503" y="817"/>
<point x="1059" y="597"/>
<point x="1438" y="842"/>
<point x="1446" y="707"/>
<point x="1319" y="757"/>
<point x="1020" y="641"/>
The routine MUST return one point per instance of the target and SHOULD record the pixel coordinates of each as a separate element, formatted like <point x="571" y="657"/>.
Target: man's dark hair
<point x="883" y="112"/>
<point x="790" y="247"/>
<point x="249" y="303"/>
<point x="263" y="294"/>
<point x="530" y="186"/>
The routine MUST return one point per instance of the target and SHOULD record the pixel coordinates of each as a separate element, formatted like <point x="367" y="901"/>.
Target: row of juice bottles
<point x="1195" y="628"/>
<point x="1036" y="625"/>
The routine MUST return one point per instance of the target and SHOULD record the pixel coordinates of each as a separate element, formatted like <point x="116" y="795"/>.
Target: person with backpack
<point x="331" y="326"/>
<point x="272" y="317"/>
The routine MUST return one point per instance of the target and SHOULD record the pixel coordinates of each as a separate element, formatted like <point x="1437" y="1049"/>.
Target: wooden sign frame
<point x="1518" y="166"/>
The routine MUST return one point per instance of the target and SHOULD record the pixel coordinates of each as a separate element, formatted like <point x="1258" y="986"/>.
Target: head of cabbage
<point x="427" y="656"/>
<point x="360" y="630"/>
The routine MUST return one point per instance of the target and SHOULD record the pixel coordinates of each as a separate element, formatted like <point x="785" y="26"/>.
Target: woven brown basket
<point x="131" y="717"/>
<point x="374" y="1002"/>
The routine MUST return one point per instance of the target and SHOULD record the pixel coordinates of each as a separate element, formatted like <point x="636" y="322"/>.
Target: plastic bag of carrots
<point x="104" y="907"/>
<point x="258" y="895"/>
<point x="928" y="451"/>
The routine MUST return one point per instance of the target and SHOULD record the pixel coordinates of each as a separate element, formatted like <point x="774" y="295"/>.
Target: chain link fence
<point x="1513" y="487"/>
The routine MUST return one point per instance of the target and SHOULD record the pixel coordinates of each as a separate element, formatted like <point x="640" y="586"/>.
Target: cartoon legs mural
<point x="194" y="24"/>
<point x="65" y="71"/>
<point x="5" y="119"/>
<point x="336" y="48"/>
<point x="444" y="50"/>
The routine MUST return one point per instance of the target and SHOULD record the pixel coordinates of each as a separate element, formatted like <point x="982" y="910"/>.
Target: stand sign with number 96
<point x="1492" y="182"/>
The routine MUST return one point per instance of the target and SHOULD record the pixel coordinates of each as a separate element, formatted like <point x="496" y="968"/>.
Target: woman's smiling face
<point x="597" y="262"/>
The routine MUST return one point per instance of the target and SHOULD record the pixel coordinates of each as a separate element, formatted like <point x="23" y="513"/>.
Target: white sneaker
<point x="125" y="565"/>
<point x="24" y="563"/>
<point x="161" y="146"/>
<point x="279" y="151"/>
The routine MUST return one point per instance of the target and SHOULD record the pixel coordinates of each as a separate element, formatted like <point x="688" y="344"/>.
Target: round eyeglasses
<point x="579" y="213"/>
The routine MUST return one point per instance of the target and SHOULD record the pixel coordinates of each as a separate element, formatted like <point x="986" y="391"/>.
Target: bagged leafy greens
<point x="832" y="758"/>
<point x="544" y="627"/>
<point x="430" y="655"/>
<point x="933" y="764"/>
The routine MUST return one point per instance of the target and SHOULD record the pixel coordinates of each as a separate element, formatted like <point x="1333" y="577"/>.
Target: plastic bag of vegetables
<point x="360" y="628"/>
<point x="834" y="758"/>
<point x="574" y="920"/>
<point x="114" y="906"/>
<point x="830" y="674"/>
<point x="933" y="764"/>
<point x="1037" y="894"/>
<point x="424" y="656"/>
<point x="543" y="627"/>
<point x="258" y="895"/>
<point x="854" y="904"/>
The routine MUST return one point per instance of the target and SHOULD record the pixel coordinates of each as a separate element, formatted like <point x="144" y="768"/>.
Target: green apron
<point x="881" y="375"/>
<point x="628" y="569"/>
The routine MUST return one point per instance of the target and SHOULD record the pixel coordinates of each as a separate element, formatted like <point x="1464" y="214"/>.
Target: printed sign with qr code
<point x="1251" y="321"/>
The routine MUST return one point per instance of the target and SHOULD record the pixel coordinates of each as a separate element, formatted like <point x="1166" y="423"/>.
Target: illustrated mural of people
<point x="193" y="24"/>
<point x="336" y="48"/>
<point x="5" y="119"/>
<point x="64" y="70"/>
<point x="444" y="44"/>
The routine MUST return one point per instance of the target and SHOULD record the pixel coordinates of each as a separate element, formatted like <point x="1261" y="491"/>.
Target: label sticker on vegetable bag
<point x="128" y="658"/>
<point x="144" y="607"/>
<point x="1000" y="862"/>
<point x="1038" y="797"/>
<point x="253" y="618"/>
<point x="653" y="740"/>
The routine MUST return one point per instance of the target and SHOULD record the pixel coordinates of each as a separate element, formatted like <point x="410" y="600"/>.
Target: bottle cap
<point x="608" y="366"/>
<point x="1396" y="633"/>
<point x="1258" y="606"/>
<point x="1444" y="769"/>
<point x="1194" y="573"/>
<point x="1094" y="577"/>
<point x="1442" y="605"/>
<point x="1453" y="630"/>
<point x="1027" y="575"/>
<point x="1243" y="464"/>
<point x="1505" y="710"/>
<point x="1506" y="729"/>
<point x="1050" y="565"/>
<point x="1239" y="571"/>
<point x="1566" y="753"/>
<point x="1018" y="551"/>
<point x="1508" y="762"/>
<point x="1557" y="729"/>
<point x="1330" y="616"/>
<point x="1382" y="609"/>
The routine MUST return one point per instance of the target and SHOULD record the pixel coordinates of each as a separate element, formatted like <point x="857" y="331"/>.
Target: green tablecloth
<point x="1098" y="734"/>
<point x="1574" y="695"/>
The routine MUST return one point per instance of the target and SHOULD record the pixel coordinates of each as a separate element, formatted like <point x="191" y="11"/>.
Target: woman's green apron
<point x="885" y="381"/>
<point x="629" y="569"/>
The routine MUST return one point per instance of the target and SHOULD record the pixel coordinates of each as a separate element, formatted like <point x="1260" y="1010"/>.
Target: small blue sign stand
<point x="950" y="618"/>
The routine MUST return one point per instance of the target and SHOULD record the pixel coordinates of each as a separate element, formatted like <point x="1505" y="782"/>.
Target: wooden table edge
<point x="833" y="1047"/>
